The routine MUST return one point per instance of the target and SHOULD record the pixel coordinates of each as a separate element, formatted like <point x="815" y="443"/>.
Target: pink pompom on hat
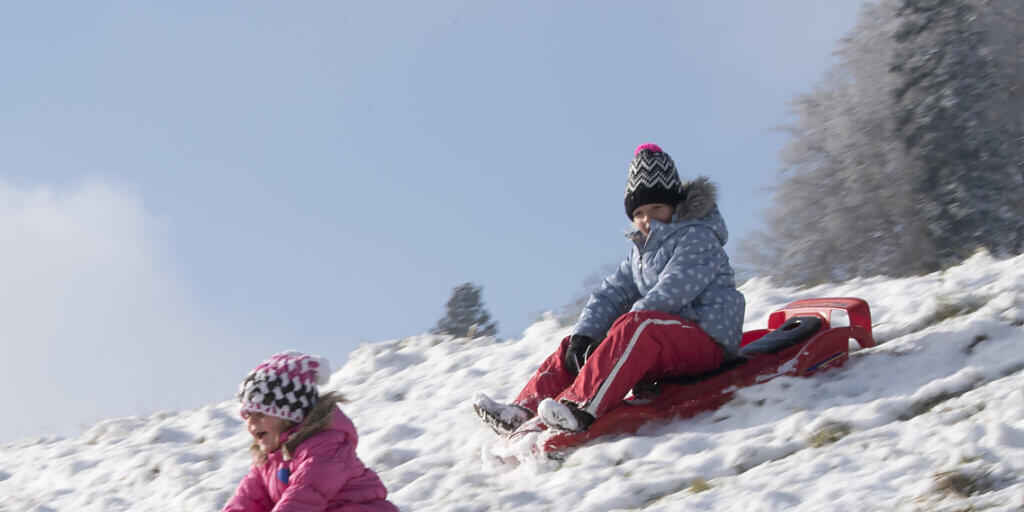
<point x="649" y="146"/>
<point x="284" y="386"/>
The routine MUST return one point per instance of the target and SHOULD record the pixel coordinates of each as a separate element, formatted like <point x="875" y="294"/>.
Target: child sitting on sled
<point x="304" y="447"/>
<point x="671" y="308"/>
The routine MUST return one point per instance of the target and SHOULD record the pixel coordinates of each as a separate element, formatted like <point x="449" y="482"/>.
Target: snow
<point x="931" y="419"/>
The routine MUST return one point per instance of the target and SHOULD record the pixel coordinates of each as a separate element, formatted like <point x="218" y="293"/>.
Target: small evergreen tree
<point x="465" y="315"/>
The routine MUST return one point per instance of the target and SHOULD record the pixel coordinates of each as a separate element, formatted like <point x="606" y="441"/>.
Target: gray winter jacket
<point x="681" y="269"/>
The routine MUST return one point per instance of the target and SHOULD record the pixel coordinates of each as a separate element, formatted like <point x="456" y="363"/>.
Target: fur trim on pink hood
<point x="316" y="471"/>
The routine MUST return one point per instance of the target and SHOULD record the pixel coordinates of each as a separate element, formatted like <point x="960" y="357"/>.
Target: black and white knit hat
<point x="284" y="386"/>
<point x="652" y="179"/>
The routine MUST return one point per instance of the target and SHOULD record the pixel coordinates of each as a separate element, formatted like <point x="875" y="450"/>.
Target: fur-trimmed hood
<point x="700" y="207"/>
<point x="320" y="418"/>
<point x="701" y="200"/>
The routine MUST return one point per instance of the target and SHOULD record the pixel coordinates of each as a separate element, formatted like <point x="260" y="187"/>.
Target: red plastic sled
<point x="800" y="340"/>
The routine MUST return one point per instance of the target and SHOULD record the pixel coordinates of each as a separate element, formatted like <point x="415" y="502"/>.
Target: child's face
<point x="266" y="429"/>
<point x="643" y="215"/>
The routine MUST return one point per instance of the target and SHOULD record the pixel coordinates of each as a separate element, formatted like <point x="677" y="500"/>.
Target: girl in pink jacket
<point x="304" y="447"/>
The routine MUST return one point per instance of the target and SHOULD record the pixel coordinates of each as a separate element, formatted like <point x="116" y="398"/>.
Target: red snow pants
<point x="640" y="346"/>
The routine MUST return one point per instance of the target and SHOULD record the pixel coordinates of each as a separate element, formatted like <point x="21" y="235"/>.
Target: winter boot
<point x="502" y="418"/>
<point x="564" y="415"/>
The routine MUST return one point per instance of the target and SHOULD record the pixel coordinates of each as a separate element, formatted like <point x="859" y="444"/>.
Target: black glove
<point x="579" y="349"/>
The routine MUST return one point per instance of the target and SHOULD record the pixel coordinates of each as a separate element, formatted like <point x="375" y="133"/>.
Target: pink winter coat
<point x="323" y="474"/>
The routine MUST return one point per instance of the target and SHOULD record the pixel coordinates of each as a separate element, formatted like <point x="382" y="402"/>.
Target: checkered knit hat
<point x="652" y="179"/>
<point x="284" y="385"/>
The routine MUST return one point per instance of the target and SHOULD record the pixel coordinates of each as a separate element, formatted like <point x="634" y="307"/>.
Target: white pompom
<point x="323" y="369"/>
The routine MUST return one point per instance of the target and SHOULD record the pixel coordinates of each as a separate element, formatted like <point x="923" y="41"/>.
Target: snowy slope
<point x="931" y="419"/>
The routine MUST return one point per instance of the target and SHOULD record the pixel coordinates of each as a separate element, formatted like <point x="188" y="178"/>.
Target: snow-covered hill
<point x="931" y="419"/>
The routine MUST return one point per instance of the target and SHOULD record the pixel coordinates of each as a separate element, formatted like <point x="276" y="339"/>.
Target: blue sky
<point x="189" y="187"/>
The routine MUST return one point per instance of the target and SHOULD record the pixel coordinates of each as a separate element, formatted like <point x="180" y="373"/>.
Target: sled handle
<point x="857" y="309"/>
